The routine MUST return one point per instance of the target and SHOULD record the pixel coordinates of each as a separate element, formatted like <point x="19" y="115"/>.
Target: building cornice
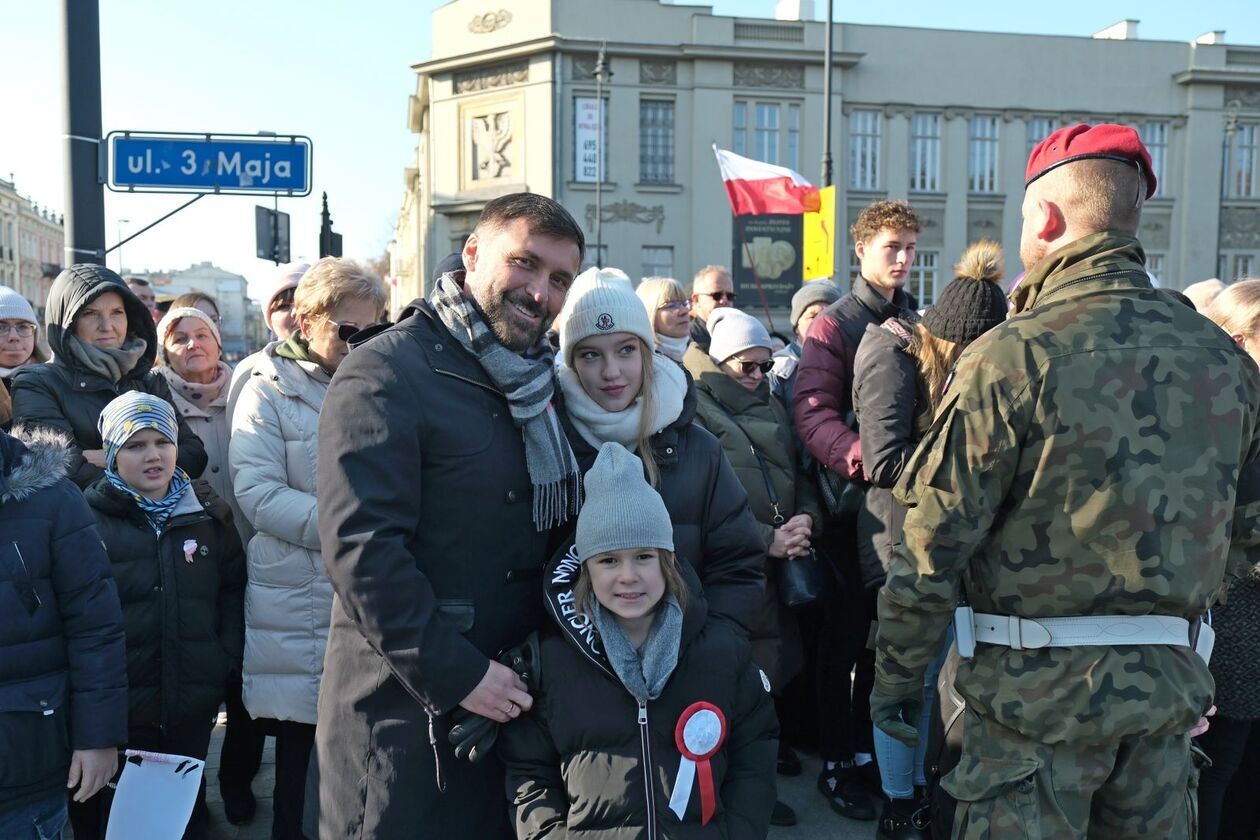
<point x="1217" y="76"/>
<point x="561" y="44"/>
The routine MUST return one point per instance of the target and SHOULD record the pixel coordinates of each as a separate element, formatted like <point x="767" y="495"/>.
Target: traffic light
<point x="329" y="242"/>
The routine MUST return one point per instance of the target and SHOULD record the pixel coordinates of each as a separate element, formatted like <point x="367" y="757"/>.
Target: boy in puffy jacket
<point x="180" y="571"/>
<point x="650" y="718"/>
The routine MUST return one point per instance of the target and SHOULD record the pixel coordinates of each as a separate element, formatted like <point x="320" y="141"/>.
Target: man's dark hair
<point x="139" y="281"/>
<point x="546" y="217"/>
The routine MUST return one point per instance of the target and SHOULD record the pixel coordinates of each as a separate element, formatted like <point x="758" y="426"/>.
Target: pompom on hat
<point x="600" y="301"/>
<point x="621" y="509"/>
<point x="1106" y="141"/>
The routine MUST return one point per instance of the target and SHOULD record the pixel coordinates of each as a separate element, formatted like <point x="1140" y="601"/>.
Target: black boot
<point x="782" y="814"/>
<point x="897" y="821"/>
<point x="844" y="790"/>
<point x="789" y="762"/>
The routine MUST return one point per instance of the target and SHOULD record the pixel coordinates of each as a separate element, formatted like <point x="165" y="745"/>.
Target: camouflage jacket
<point x="1084" y="462"/>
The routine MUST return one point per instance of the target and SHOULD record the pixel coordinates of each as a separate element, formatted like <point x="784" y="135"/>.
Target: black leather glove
<point x="472" y="735"/>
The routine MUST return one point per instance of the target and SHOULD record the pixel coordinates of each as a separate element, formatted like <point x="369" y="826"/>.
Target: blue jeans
<point x="900" y="766"/>
<point x="41" y="820"/>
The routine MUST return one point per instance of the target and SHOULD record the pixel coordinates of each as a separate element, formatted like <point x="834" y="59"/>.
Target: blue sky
<point x="339" y="72"/>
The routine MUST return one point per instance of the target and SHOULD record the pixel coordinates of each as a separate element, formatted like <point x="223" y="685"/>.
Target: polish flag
<point x="756" y="188"/>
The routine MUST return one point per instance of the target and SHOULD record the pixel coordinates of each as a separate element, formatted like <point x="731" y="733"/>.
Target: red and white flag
<point x="756" y="188"/>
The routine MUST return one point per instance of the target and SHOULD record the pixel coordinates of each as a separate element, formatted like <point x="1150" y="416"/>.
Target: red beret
<point x="1080" y="142"/>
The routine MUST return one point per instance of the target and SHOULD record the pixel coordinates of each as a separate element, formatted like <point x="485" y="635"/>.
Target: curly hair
<point x="884" y="215"/>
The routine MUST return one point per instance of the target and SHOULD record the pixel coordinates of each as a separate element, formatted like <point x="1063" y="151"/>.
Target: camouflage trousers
<point x="1008" y="786"/>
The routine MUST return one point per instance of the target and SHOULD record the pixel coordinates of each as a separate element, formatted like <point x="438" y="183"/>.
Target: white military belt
<point x="1080" y="630"/>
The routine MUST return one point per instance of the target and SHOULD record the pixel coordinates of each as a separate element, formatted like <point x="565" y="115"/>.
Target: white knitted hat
<point x="168" y="323"/>
<point x="621" y="509"/>
<point x="601" y="300"/>
<point x="14" y="307"/>
<point x="733" y="331"/>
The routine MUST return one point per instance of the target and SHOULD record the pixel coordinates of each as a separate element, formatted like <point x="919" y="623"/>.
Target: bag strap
<point x="779" y="518"/>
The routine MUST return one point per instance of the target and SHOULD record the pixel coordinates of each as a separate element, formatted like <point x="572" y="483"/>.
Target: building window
<point x="1236" y="265"/>
<point x="656" y="141"/>
<point x="657" y="261"/>
<point x="864" y="131"/>
<point x="774" y="135"/>
<point x="1155" y="136"/>
<point x="982" y="164"/>
<point x="1039" y="129"/>
<point x="1155" y="268"/>
<point x="1242" y="171"/>
<point x="589" y="261"/>
<point x="922" y="282"/>
<point x="925" y="153"/>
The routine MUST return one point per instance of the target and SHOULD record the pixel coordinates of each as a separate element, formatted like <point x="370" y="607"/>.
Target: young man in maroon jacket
<point x="884" y="235"/>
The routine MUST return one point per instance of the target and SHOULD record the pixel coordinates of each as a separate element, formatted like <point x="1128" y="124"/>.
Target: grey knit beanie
<point x="601" y="300"/>
<point x="14" y="307"/>
<point x="621" y="509"/>
<point x="814" y="291"/>
<point x="733" y="331"/>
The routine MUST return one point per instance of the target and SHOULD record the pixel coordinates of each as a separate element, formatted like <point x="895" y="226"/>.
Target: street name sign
<point x="233" y="164"/>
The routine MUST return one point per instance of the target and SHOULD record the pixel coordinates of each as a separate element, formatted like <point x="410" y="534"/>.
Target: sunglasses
<point x="347" y="331"/>
<point x="746" y="367"/>
<point x="720" y="296"/>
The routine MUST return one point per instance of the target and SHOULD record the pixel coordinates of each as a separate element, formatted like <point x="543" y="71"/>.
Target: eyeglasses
<point x="676" y="305"/>
<point x="719" y="296"/>
<point x="24" y="329"/>
<point x="348" y="331"/>
<point x="746" y="367"/>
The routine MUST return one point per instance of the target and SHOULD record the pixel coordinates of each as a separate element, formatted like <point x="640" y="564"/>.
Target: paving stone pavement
<point x="816" y="820"/>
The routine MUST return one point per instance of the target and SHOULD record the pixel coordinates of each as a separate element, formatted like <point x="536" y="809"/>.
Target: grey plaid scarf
<point x="527" y="382"/>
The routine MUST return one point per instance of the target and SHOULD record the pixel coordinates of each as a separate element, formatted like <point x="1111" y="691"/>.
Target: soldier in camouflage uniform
<point x="1083" y="463"/>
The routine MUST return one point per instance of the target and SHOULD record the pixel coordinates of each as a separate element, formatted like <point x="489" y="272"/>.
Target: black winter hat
<point x="973" y="303"/>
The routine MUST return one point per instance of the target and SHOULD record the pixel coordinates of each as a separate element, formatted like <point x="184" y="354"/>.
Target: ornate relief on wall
<point x="984" y="224"/>
<point x="490" y="21"/>
<point x="494" y="76"/>
<point x="627" y="211"/>
<point x="657" y="72"/>
<point x="491" y="137"/>
<point x="932" y="225"/>
<point x="1155" y="232"/>
<point x="1248" y="96"/>
<point x="766" y="74"/>
<point x="583" y="68"/>
<point x="1240" y="227"/>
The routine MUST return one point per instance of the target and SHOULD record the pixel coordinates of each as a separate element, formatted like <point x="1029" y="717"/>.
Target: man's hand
<point x="898" y="715"/>
<point x="95" y="457"/>
<point x="90" y="770"/>
<point x="501" y="695"/>
<point x="1203" y="724"/>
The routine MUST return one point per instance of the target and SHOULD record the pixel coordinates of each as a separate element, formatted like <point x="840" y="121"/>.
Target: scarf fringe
<point x="557" y="502"/>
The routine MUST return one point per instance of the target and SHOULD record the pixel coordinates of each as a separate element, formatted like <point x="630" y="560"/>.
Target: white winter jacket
<point x="288" y="598"/>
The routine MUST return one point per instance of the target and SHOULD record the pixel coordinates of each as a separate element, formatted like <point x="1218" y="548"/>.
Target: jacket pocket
<point x="42" y="741"/>
<point x="996" y="797"/>
<point x="458" y="612"/>
<point x="925" y="463"/>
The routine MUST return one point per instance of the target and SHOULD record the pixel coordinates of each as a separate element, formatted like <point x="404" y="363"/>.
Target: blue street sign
<point x="215" y="163"/>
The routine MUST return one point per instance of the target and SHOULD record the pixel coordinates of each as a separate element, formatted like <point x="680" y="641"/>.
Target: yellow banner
<point x="819" y="234"/>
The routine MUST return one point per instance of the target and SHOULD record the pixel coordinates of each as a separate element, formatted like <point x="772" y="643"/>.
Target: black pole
<point x="85" y="196"/>
<point x="826" y="155"/>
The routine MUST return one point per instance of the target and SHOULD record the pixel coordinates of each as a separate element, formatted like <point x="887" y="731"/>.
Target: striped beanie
<point x="128" y="414"/>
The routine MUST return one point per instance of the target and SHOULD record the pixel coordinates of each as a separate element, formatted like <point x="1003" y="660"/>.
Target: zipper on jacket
<point x="1087" y="279"/>
<point x="644" y="742"/>
<point x="163" y="646"/>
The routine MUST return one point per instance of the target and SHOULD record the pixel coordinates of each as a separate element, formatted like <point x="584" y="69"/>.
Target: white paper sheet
<point x="155" y="796"/>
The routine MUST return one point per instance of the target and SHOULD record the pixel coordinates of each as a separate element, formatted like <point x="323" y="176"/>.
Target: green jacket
<point x="1084" y="462"/>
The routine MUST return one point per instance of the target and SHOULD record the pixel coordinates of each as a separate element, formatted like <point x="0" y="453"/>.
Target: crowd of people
<point x="554" y="556"/>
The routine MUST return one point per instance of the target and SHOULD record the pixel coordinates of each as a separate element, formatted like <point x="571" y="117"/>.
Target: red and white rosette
<point x="699" y="735"/>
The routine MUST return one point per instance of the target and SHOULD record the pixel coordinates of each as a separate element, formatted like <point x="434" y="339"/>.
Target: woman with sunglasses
<point x="273" y="461"/>
<point x="615" y="389"/>
<point x="19" y="346"/>
<point x="736" y="405"/>
<point x="670" y="310"/>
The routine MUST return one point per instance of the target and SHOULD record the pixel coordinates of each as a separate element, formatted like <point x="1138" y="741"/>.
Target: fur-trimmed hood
<point x="31" y="460"/>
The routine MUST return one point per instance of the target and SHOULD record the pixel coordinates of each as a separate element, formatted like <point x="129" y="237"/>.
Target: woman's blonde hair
<point x="655" y="292"/>
<point x="648" y="396"/>
<point x="674" y="584"/>
<point x="333" y="281"/>
<point x="1237" y="308"/>
<point x="935" y="358"/>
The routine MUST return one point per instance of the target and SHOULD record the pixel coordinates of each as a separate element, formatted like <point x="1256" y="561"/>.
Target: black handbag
<point x="841" y="497"/>
<point x="799" y="578"/>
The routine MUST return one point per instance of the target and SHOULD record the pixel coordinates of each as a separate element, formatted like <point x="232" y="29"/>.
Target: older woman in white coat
<point x="288" y="599"/>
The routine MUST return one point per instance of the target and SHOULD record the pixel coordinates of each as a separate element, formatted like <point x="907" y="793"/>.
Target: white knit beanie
<point x="733" y="331"/>
<point x="601" y="300"/>
<point x="621" y="509"/>
<point x="168" y="323"/>
<point x="14" y="307"/>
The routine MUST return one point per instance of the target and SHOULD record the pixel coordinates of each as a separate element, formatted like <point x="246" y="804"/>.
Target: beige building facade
<point x="944" y="119"/>
<point x="32" y="242"/>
